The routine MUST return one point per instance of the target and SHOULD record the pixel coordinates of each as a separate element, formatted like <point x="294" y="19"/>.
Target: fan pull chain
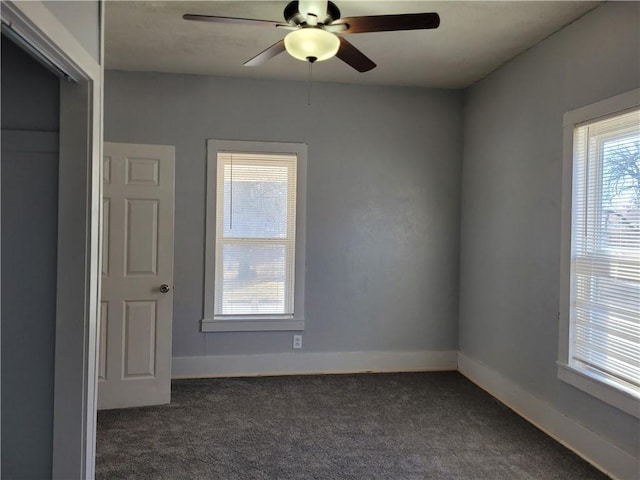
<point x="310" y="83"/>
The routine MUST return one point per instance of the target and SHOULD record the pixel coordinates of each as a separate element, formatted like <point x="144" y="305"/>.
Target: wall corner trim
<point x="595" y="449"/>
<point x="308" y="363"/>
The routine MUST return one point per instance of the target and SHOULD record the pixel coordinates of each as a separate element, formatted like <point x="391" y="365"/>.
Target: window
<point x="254" y="277"/>
<point x="600" y="321"/>
<point x="255" y="234"/>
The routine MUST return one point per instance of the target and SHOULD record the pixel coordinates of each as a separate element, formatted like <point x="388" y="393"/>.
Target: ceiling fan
<point x="314" y="25"/>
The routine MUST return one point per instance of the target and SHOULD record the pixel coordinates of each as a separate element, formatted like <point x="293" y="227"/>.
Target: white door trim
<point x="74" y="412"/>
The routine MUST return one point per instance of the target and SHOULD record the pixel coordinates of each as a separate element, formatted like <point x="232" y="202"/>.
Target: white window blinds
<point x="255" y="234"/>
<point x="605" y="268"/>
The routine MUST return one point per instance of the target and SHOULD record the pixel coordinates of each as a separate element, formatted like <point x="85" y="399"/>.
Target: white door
<point x="137" y="276"/>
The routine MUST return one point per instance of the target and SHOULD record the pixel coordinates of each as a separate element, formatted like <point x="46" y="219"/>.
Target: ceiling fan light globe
<point x="311" y="42"/>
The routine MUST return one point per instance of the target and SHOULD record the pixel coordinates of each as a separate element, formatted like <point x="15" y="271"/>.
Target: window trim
<point x="589" y="382"/>
<point x="213" y="323"/>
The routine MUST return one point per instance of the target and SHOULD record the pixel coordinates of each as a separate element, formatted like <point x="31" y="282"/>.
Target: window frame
<point x="592" y="383"/>
<point x="240" y="323"/>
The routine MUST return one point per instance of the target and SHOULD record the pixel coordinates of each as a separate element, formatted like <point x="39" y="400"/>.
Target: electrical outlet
<point x="297" y="341"/>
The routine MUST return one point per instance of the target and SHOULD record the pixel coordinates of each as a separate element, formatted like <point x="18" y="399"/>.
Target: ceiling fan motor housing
<point x="293" y="16"/>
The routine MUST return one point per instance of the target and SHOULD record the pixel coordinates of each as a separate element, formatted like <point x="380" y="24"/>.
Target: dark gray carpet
<point x="372" y="426"/>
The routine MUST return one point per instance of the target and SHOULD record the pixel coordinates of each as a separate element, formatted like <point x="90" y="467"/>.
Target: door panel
<point x="140" y="333"/>
<point x="141" y="242"/>
<point x="106" y="170"/>
<point x="135" y="354"/>
<point x="106" y="220"/>
<point x="142" y="171"/>
<point x="102" y="349"/>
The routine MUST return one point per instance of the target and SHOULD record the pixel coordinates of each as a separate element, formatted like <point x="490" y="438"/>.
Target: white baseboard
<point x="592" y="447"/>
<point x="299" y="363"/>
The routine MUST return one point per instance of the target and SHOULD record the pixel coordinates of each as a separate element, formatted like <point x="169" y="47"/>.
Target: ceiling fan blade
<point x="354" y="57"/>
<point x="275" y="49"/>
<point x="241" y="21"/>
<point x="389" y="23"/>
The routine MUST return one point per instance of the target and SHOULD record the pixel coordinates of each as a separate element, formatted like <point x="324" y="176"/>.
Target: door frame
<point x="79" y="229"/>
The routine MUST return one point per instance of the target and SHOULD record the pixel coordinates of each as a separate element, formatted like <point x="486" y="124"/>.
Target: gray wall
<point x="382" y="204"/>
<point x="511" y="204"/>
<point x="30" y="106"/>
<point x="81" y="19"/>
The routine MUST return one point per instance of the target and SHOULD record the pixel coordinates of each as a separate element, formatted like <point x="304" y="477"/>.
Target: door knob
<point x="164" y="288"/>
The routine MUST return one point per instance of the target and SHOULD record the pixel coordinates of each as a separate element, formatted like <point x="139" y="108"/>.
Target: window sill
<point x="251" y="325"/>
<point x="600" y="388"/>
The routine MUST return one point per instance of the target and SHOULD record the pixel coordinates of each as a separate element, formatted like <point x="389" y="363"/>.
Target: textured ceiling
<point x="474" y="38"/>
